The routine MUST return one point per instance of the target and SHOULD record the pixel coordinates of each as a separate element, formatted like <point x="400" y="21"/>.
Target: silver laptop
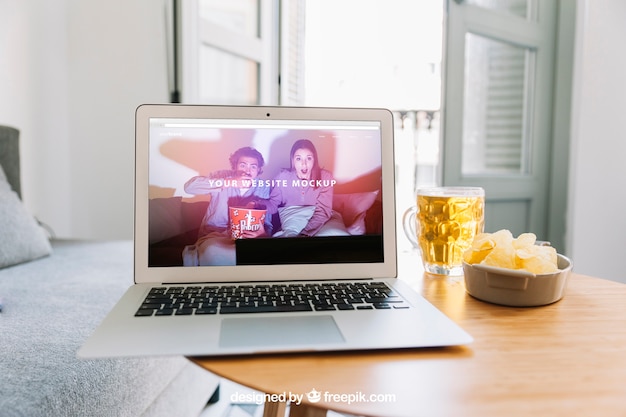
<point x="265" y="229"/>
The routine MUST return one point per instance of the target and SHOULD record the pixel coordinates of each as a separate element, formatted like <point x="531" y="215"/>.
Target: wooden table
<point x="565" y="359"/>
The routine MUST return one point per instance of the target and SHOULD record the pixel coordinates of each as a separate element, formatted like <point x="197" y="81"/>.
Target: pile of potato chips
<point x="502" y="250"/>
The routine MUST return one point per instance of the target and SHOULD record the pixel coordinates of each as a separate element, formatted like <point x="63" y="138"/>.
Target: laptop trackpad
<point x="279" y="331"/>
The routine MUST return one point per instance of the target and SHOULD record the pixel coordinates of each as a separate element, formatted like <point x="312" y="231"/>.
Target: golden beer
<point x="447" y="220"/>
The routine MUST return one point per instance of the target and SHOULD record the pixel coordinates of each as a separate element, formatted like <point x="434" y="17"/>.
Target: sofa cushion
<point x="165" y="218"/>
<point x="172" y="216"/>
<point x="21" y="238"/>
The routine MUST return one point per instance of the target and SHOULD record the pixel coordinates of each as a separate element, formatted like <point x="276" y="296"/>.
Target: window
<point x="497" y="99"/>
<point x="229" y="50"/>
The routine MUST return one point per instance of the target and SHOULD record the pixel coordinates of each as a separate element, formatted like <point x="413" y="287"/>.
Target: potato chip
<point x="503" y="238"/>
<point x="502" y="256"/>
<point x="481" y="246"/>
<point x="538" y="259"/>
<point x="524" y="240"/>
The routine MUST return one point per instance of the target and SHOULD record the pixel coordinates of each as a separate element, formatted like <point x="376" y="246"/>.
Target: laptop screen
<point x="226" y="189"/>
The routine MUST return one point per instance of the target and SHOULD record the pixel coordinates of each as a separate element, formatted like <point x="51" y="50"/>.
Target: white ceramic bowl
<point x="517" y="288"/>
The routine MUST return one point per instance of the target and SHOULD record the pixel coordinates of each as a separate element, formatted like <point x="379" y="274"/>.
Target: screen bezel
<point x="174" y="274"/>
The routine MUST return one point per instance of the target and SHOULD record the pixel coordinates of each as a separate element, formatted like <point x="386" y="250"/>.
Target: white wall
<point x="597" y="202"/>
<point x="71" y="75"/>
<point x="33" y="82"/>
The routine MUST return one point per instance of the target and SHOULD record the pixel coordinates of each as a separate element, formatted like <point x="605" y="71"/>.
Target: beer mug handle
<point x="409" y="224"/>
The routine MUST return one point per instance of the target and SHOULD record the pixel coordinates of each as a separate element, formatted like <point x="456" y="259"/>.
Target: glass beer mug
<point x="443" y="224"/>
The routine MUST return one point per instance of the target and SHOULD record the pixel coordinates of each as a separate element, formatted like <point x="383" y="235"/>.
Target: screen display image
<point x="225" y="192"/>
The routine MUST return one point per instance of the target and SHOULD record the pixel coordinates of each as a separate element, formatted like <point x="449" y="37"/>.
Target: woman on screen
<point x="309" y="189"/>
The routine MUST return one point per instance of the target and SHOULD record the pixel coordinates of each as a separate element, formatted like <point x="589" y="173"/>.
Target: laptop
<point x="265" y="230"/>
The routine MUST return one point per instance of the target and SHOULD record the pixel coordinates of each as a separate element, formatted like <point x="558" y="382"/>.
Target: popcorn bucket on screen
<point x="245" y="219"/>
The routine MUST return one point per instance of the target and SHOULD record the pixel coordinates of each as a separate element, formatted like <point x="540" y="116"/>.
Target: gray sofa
<point x="52" y="300"/>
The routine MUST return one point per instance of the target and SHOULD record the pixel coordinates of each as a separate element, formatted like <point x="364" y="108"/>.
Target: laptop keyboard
<point x="270" y="298"/>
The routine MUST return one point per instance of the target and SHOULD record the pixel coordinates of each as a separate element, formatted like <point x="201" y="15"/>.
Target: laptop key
<point x="150" y="306"/>
<point x="265" y="309"/>
<point x="144" y="312"/>
<point x="324" y="307"/>
<point x="206" y="310"/>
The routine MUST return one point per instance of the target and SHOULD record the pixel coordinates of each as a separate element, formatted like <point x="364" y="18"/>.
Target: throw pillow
<point x="293" y="219"/>
<point x="21" y="238"/>
<point x="353" y="208"/>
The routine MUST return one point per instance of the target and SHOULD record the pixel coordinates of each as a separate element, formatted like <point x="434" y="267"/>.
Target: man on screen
<point x="233" y="188"/>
